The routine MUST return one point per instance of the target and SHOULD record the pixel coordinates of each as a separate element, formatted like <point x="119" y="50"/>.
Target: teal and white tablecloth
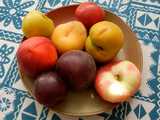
<point x="143" y="16"/>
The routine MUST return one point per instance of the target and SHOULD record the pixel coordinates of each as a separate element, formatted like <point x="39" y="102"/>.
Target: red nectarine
<point x="35" y="55"/>
<point x="89" y="13"/>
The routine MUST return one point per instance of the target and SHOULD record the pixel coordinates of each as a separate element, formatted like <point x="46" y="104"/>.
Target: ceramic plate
<point x="88" y="102"/>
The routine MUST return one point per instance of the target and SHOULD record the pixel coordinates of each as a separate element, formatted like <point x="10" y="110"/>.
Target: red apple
<point x="89" y="13"/>
<point x="117" y="81"/>
<point x="36" y="55"/>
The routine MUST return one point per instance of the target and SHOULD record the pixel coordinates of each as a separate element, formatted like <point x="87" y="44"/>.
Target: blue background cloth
<point x="143" y="16"/>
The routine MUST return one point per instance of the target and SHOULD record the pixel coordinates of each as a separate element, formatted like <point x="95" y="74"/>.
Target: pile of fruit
<point x="76" y="55"/>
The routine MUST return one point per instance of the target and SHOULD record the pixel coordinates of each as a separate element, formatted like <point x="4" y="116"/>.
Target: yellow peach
<point x="36" y="23"/>
<point x="69" y="36"/>
<point x="104" y="41"/>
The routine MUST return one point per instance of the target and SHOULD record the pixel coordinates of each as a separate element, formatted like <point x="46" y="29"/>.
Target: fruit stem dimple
<point x="98" y="47"/>
<point x="69" y="31"/>
<point x="102" y="31"/>
<point x="118" y="77"/>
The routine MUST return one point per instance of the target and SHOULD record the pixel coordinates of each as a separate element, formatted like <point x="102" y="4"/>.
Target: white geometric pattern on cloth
<point x="19" y="85"/>
<point x="7" y="97"/>
<point x="30" y="109"/>
<point x="146" y="74"/>
<point x="149" y="21"/>
<point x="101" y="1"/>
<point x="158" y="71"/>
<point x="7" y="50"/>
<point x="30" y="5"/>
<point x="51" y="3"/>
<point x="149" y="2"/>
<point x="140" y="110"/>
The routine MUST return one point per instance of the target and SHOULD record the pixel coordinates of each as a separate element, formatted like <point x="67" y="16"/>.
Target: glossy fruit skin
<point x="104" y="41"/>
<point x="37" y="24"/>
<point x="89" y="13"/>
<point x="69" y="36"/>
<point x="49" y="89"/>
<point x="77" y="68"/>
<point x="36" y="55"/>
<point x="117" y="81"/>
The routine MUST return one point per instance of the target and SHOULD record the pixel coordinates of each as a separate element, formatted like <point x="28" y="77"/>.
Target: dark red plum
<point x="50" y="89"/>
<point x="77" y="68"/>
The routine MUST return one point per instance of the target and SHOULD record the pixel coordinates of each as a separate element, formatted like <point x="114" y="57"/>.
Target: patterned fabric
<point x="143" y="16"/>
